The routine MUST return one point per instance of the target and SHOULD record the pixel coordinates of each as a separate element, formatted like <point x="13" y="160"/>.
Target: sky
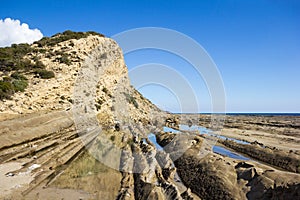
<point x="254" y="44"/>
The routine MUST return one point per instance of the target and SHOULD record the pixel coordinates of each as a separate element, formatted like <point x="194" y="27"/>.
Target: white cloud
<point x="13" y="32"/>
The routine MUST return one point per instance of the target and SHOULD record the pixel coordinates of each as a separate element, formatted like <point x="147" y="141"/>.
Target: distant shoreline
<point x="252" y="114"/>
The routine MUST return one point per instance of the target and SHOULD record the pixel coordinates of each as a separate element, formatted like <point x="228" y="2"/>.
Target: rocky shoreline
<point x="218" y="177"/>
<point x="103" y="150"/>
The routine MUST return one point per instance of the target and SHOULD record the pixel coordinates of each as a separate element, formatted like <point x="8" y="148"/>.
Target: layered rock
<point x="58" y="93"/>
<point x="89" y="106"/>
<point x="218" y="177"/>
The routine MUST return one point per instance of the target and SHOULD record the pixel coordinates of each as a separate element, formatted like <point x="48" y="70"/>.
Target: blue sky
<point x="255" y="44"/>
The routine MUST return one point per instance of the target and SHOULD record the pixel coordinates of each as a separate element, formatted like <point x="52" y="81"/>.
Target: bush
<point x="61" y="37"/>
<point x="12" y="59"/>
<point x="64" y="59"/>
<point x="4" y="95"/>
<point x="20" y="85"/>
<point x="39" y="65"/>
<point x="94" y="33"/>
<point x="131" y="100"/>
<point x="7" y="79"/>
<point x="6" y="90"/>
<point x="44" y="74"/>
<point x="18" y="76"/>
<point x="6" y="86"/>
<point x="9" y="85"/>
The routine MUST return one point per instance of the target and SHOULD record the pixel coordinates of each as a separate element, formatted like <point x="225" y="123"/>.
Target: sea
<point x="253" y="114"/>
<point x="266" y="114"/>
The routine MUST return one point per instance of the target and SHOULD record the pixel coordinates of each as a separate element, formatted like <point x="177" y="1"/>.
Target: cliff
<point x="64" y="55"/>
<point x="51" y="94"/>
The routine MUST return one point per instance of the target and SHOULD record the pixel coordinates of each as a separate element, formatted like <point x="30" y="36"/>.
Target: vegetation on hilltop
<point x="14" y="67"/>
<point x="66" y="35"/>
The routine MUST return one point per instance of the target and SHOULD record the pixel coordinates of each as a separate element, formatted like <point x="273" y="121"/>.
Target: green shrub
<point x="20" y="85"/>
<point x="18" y="76"/>
<point x="94" y="33"/>
<point x="44" y="74"/>
<point x="7" y="79"/>
<point x="131" y="100"/>
<point x="64" y="59"/>
<point x="3" y="95"/>
<point x="6" y="90"/>
<point x="61" y="37"/>
<point x="42" y="50"/>
<point x="12" y="59"/>
<point x="6" y="86"/>
<point x="10" y="85"/>
<point x="39" y="65"/>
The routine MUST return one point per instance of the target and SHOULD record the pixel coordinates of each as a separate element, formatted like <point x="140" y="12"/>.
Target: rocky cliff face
<point x="47" y="138"/>
<point x="66" y="59"/>
<point x="70" y="122"/>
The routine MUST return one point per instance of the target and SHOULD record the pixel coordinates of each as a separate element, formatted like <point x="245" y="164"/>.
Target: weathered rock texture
<point x="50" y="142"/>
<point x="218" y="177"/>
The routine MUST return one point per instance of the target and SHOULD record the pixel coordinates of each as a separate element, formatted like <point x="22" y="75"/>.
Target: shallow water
<point x="152" y="138"/>
<point x="167" y="129"/>
<point x="205" y="131"/>
<point x="230" y="154"/>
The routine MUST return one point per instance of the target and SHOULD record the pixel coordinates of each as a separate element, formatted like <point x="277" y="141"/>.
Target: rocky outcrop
<point x="218" y="177"/>
<point x="46" y="131"/>
<point x="279" y="124"/>
<point x="172" y="121"/>
<point x="40" y="131"/>
<point x="58" y="93"/>
<point x="273" y="156"/>
<point x="150" y="182"/>
<point x="209" y="177"/>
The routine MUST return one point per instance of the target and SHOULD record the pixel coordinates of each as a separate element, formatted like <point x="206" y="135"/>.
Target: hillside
<point x="50" y="67"/>
<point x="72" y="127"/>
<point x="41" y="130"/>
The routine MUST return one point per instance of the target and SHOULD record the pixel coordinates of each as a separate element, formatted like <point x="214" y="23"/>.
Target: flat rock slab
<point x="32" y="126"/>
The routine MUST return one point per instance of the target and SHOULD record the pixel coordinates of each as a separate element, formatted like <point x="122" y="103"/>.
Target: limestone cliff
<point x="40" y="86"/>
<point x="65" y="57"/>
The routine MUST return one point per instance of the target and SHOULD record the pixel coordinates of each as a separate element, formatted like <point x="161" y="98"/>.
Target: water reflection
<point x="204" y="131"/>
<point x="230" y="154"/>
